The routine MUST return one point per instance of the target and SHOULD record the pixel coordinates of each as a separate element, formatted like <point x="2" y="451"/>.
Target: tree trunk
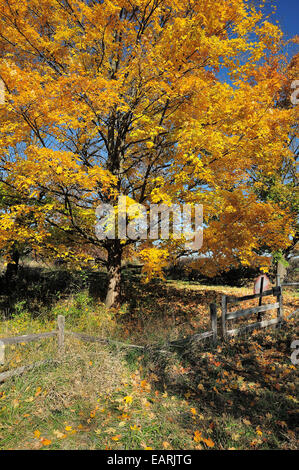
<point x="113" y="297"/>
<point x="12" y="268"/>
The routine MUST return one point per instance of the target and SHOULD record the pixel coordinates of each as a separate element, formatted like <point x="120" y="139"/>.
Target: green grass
<point x="91" y="400"/>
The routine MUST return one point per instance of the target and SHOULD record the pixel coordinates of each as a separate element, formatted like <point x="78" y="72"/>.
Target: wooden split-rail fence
<point x="211" y="335"/>
<point x="59" y="333"/>
<point x="226" y="315"/>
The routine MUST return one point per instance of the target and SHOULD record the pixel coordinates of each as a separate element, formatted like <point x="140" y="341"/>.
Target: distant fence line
<point x="212" y="335"/>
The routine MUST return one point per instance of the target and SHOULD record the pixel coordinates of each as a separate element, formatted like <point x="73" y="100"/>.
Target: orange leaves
<point x="44" y="441"/>
<point x="166" y="445"/>
<point x="145" y="386"/>
<point x="198" y="438"/>
<point x="209" y="442"/>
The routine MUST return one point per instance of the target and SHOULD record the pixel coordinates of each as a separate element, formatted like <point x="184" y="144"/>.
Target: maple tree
<point x="162" y="101"/>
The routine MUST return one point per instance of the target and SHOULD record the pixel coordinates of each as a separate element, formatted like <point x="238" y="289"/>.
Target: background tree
<point x="163" y="101"/>
<point x="282" y="185"/>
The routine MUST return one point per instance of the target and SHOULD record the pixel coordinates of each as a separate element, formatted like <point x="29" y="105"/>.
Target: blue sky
<point x="287" y="13"/>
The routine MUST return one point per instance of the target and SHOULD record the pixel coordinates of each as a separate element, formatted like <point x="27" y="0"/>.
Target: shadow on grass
<point x="243" y="388"/>
<point x="38" y="289"/>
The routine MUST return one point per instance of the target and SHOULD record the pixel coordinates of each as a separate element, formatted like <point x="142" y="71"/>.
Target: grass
<point x="240" y="395"/>
<point x="91" y="400"/>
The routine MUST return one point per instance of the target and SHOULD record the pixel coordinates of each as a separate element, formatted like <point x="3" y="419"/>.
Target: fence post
<point x="279" y="300"/>
<point x="223" y="315"/>
<point x="2" y="352"/>
<point x="213" y="313"/>
<point x="259" y="315"/>
<point x="60" y="323"/>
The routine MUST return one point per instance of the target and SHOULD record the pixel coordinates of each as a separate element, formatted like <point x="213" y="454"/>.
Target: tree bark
<point x="113" y="297"/>
<point x="12" y="268"/>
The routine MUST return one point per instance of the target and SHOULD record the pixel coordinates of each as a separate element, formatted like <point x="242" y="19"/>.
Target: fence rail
<point x="94" y="339"/>
<point x="28" y="338"/>
<point x="248" y="311"/>
<point x="226" y="316"/>
<point x="60" y="333"/>
<point x="234" y="299"/>
<point x="212" y="334"/>
<point x="253" y="326"/>
<point x="180" y="343"/>
<point x="20" y="370"/>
